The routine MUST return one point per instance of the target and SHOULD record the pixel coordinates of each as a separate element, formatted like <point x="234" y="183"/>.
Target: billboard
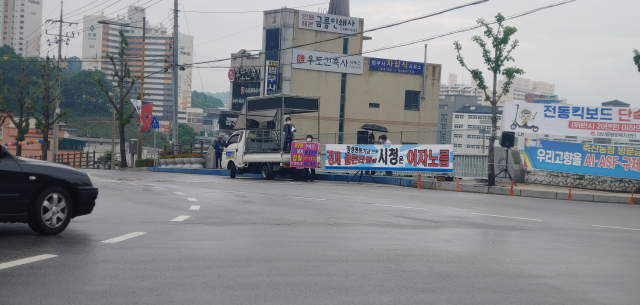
<point x="328" y="23"/>
<point x="241" y="91"/>
<point x="587" y="159"/>
<point x="401" y="158"/>
<point x="328" y="62"/>
<point x="396" y="66"/>
<point x="566" y="120"/>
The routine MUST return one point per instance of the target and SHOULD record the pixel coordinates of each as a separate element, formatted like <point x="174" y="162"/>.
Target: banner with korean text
<point x="565" y="120"/>
<point x="587" y="159"/>
<point x="396" y="66"/>
<point x="328" y="23"/>
<point x="329" y="62"/>
<point x="401" y="158"/>
<point x="304" y="155"/>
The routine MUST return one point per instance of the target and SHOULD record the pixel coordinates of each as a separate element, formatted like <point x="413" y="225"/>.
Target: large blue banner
<point x="587" y="159"/>
<point x="395" y="66"/>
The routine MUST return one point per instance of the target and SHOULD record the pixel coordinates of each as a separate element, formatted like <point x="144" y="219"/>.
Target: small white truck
<point x="257" y="145"/>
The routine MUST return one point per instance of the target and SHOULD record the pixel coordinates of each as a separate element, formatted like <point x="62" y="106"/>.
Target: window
<point x="443" y="118"/>
<point x="457" y="145"/>
<point x="234" y="139"/>
<point x="458" y="126"/>
<point x="459" y="116"/>
<point x="457" y="136"/>
<point x="412" y="100"/>
<point x="374" y="105"/>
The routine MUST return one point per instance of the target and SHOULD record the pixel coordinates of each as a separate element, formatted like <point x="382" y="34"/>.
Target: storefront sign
<point x="581" y="121"/>
<point x="242" y="91"/>
<point x="587" y="159"/>
<point x="329" y="62"/>
<point x="395" y="66"/>
<point x="245" y="74"/>
<point x="405" y="158"/>
<point x="304" y="155"/>
<point x="328" y="23"/>
<point x="227" y="121"/>
<point x="271" y="80"/>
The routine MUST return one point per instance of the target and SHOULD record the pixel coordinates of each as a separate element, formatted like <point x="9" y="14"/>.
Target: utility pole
<point x="176" y="48"/>
<point x="140" y="135"/>
<point x="113" y="134"/>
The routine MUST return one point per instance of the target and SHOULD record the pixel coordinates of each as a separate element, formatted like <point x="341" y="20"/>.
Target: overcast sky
<point x="584" y="48"/>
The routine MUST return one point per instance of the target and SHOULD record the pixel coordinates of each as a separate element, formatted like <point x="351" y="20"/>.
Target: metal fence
<point x="74" y="159"/>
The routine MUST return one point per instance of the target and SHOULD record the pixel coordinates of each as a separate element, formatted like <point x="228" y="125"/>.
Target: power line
<point x="246" y="12"/>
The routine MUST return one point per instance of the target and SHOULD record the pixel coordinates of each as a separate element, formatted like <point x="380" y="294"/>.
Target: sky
<point x="584" y="48"/>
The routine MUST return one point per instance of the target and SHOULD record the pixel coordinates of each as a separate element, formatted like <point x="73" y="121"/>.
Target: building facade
<point x="22" y="25"/>
<point x="523" y="86"/>
<point x="308" y="53"/>
<point x="102" y="39"/>
<point x="453" y="88"/>
<point x="449" y="105"/>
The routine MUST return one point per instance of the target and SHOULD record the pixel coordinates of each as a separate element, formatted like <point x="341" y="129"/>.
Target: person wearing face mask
<point x="307" y="170"/>
<point x="289" y="134"/>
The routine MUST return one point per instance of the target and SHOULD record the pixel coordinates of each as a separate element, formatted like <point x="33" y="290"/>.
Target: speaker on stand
<point x="507" y="140"/>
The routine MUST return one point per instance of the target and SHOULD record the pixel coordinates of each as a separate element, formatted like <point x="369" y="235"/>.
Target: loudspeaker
<point x="508" y="139"/>
<point x="363" y="137"/>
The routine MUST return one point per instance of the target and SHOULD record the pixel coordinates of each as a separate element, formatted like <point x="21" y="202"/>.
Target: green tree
<point x="495" y="54"/>
<point x="23" y="102"/>
<point x="44" y="108"/>
<point x="636" y="58"/>
<point x="74" y="65"/>
<point x="202" y="100"/>
<point x="187" y="134"/>
<point x="120" y="101"/>
<point x="82" y="95"/>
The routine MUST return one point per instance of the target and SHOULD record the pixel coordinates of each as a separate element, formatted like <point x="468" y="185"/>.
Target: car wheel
<point x="232" y="170"/>
<point x="52" y="212"/>
<point x="535" y="128"/>
<point x="514" y="126"/>
<point x="266" y="172"/>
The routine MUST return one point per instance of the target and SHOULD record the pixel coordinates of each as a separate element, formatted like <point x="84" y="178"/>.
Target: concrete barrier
<point x="538" y="194"/>
<point x="576" y="197"/>
<point x="612" y="199"/>
<point x="471" y="188"/>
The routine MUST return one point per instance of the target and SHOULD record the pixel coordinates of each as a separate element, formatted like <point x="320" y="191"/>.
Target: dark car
<point x="45" y="195"/>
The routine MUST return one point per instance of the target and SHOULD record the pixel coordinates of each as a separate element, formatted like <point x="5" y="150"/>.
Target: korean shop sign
<point x="329" y="62"/>
<point x="271" y="80"/>
<point x="328" y="23"/>
<point x="304" y="155"/>
<point x="245" y="74"/>
<point x="582" y="121"/>
<point x="587" y="159"/>
<point x="404" y="158"/>
<point x="396" y="66"/>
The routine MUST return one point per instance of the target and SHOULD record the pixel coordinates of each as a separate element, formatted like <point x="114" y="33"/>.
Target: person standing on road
<point x="307" y="170"/>
<point x="289" y="134"/>
<point x="218" y="146"/>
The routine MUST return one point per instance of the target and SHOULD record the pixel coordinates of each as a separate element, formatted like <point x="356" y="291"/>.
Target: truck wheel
<point x="232" y="170"/>
<point x="51" y="213"/>
<point x="266" y="172"/>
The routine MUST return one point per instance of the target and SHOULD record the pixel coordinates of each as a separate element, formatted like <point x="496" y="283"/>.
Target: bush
<point x="145" y="163"/>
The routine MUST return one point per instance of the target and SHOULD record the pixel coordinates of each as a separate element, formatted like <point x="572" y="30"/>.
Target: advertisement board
<point x="395" y="66"/>
<point x="566" y="120"/>
<point x="329" y="62"/>
<point x="271" y="80"/>
<point x="401" y="158"/>
<point x="304" y="155"/>
<point x="328" y="23"/>
<point x="587" y="159"/>
<point x="242" y="91"/>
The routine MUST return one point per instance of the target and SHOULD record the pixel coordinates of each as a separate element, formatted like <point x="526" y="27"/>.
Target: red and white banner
<point x="568" y="120"/>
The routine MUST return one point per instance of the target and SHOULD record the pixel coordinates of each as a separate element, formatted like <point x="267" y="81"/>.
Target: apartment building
<point x="22" y="26"/>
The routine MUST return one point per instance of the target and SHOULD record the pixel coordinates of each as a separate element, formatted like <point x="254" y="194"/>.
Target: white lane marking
<point x="307" y="198"/>
<point x="123" y="237"/>
<point x="506" y="217"/>
<point x="178" y="193"/>
<point x="397" y="206"/>
<point x="192" y="199"/>
<point x="194" y="208"/>
<point x="160" y="188"/>
<point x="27" y="260"/>
<point x="615" y="228"/>
<point x="180" y="218"/>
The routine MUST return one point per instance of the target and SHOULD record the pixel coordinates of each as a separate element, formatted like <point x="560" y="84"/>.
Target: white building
<point x="22" y="22"/>
<point x="523" y="86"/>
<point x="100" y="40"/>
<point x="453" y="88"/>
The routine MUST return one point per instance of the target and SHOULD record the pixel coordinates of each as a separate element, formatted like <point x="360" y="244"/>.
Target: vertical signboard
<point x="271" y="80"/>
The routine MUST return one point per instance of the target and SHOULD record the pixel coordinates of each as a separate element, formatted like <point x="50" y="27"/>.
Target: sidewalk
<point x="468" y="186"/>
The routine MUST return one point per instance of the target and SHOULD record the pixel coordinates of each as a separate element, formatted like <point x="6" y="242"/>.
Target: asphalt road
<point x="187" y="239"/>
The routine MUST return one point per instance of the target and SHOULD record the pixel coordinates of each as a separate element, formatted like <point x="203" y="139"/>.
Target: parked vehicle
<point x="258" y="145"/>
<point x="43" y="194"/>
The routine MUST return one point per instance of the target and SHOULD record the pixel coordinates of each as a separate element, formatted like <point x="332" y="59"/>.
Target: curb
<point x="431" y="185"/>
